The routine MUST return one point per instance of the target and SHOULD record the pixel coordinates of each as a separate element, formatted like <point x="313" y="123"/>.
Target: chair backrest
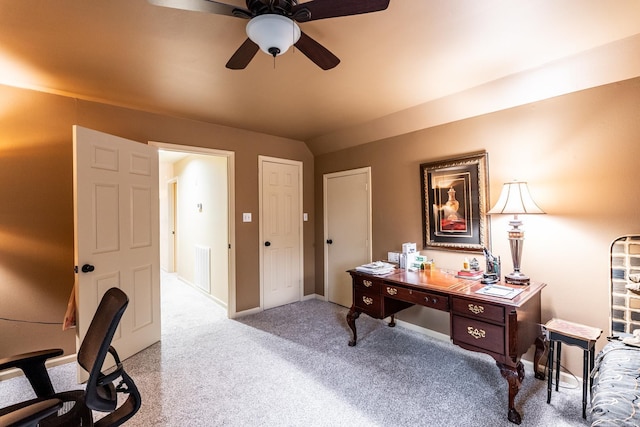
<point x="96" y="343"/>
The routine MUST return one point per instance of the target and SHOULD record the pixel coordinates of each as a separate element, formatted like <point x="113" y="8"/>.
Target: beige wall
<point x="36" y="213"/>
<point x="580" y="154"/>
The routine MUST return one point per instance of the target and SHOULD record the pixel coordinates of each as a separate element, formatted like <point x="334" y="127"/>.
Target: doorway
<point x="197" y="221"/>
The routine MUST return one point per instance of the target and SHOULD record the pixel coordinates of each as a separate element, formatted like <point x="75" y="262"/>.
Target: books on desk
<point x="378" y="268"/>
<point x="470" y="274"/>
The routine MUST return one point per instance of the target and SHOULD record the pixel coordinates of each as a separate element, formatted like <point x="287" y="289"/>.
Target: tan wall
<point x="36" y="212"/>
<point x="580" y="154"/>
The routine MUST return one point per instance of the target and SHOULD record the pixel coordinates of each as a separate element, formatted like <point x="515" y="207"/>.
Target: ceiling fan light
<point x="275" y="34"/>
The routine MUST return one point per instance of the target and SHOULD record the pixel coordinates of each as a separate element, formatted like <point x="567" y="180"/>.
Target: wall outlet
<point x="246" y="217"/>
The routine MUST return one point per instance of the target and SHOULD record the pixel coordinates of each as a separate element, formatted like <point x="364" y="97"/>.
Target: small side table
<point x="561" y="331"/>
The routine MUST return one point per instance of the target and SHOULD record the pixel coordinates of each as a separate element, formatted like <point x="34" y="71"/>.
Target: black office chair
<point x="100" y="394"/>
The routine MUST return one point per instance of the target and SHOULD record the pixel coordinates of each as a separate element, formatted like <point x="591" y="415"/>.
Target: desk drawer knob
<point x="476" y="309"/>
<point x="367" y="300"/>
<point x="433" y="301"/>
<point x="367" y="283"/>
<point x="392" y="291"/>
<point x="476" y="333"/>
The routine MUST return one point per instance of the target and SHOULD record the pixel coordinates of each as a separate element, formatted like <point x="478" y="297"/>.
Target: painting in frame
<point x="454" y="202"/>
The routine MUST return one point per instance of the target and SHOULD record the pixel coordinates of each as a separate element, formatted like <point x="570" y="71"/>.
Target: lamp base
<point x="516" y="278"/>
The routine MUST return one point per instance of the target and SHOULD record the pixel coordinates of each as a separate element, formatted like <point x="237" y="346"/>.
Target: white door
<point x="116" y="233"/>
<point x="281" y="231"/>
<point x="347" y="215"/>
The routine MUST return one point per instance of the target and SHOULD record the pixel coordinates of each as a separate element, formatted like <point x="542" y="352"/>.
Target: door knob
<point x="329" y="241"/>
<point x="267" y="243"/>
<point x="88" y="268"/>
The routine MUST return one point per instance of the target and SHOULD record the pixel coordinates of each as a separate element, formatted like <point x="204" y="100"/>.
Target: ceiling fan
<point x="273" y="24"/>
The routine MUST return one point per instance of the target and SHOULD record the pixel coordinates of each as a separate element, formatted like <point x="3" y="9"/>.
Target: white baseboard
<point x="203" y="292"/>
<point x="248" y="312"/>
<point x="56" y="361"/>
<point x="259" y="309"/>
<point x="313" y="296"/>
<point x="424" y="331"/>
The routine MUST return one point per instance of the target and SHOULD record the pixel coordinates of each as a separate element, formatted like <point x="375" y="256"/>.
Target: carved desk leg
<point x="393" y="321"/>
<point x="541" y="348"/>
<point x="352" y="315"/>
<point x="514" y="377"/>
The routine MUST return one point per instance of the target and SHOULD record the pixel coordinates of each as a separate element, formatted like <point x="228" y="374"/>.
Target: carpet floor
<point x="291" y="366"/>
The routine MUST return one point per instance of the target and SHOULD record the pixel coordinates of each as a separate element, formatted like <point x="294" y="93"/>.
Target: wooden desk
<point x="502" y="328"/>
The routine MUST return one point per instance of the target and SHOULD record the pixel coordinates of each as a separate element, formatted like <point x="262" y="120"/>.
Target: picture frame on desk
<point x="454" y="203"/>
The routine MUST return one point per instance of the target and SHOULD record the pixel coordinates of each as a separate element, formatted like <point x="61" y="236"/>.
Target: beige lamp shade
<point x="515" y="199"/>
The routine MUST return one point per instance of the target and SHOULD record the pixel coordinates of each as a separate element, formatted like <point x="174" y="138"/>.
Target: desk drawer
<point x="479" y="310"/>
<point x="427" y="299"/>
<point x="366" y="284"/>
<point x="368" y="302"/>
<point x="478" y="334"/>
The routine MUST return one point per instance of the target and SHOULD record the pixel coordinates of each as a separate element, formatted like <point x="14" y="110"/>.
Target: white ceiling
<point x="131" y="53"/>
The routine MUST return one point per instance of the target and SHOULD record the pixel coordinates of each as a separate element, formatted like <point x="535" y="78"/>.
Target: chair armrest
<point x="114" y="372"/>
<point x="32" y="364"/>
<point x="30" y="415"/>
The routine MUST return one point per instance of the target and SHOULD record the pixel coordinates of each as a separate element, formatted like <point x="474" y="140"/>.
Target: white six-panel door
<point x="116" y="233"/>
<point x="281" y="231"/>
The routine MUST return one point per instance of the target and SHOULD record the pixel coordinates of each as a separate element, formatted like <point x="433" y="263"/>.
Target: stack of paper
<point x="377" y="268"/>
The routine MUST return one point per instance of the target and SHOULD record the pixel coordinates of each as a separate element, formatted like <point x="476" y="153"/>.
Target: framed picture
<point x="454" y="203"/>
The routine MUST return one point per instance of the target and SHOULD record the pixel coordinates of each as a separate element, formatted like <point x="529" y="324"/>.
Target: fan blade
<point x="316" y="52"/>
<point x="198" y="6"/>
<point x="321" y="9"/>
<point x="243" y="55"/>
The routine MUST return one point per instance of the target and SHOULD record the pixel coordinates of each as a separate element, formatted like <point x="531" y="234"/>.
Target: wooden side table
<point x="562" y="331"/>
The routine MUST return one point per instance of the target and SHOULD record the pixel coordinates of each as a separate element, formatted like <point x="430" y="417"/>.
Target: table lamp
<point x="515" y="199"/>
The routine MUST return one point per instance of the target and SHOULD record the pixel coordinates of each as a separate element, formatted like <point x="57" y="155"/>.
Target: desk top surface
<point x="437" y="280"/>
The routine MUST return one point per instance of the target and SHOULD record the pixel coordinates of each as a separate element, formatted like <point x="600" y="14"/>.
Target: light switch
<point x="305" y="216"/>
<point x="246" y="217"/>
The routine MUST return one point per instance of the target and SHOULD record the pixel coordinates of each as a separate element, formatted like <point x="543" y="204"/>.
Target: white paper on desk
<point x="377" y="268"/>
<point x="499" y="291"/>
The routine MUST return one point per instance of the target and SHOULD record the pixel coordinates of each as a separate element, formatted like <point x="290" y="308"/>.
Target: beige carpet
<point x="291" y="366"/>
